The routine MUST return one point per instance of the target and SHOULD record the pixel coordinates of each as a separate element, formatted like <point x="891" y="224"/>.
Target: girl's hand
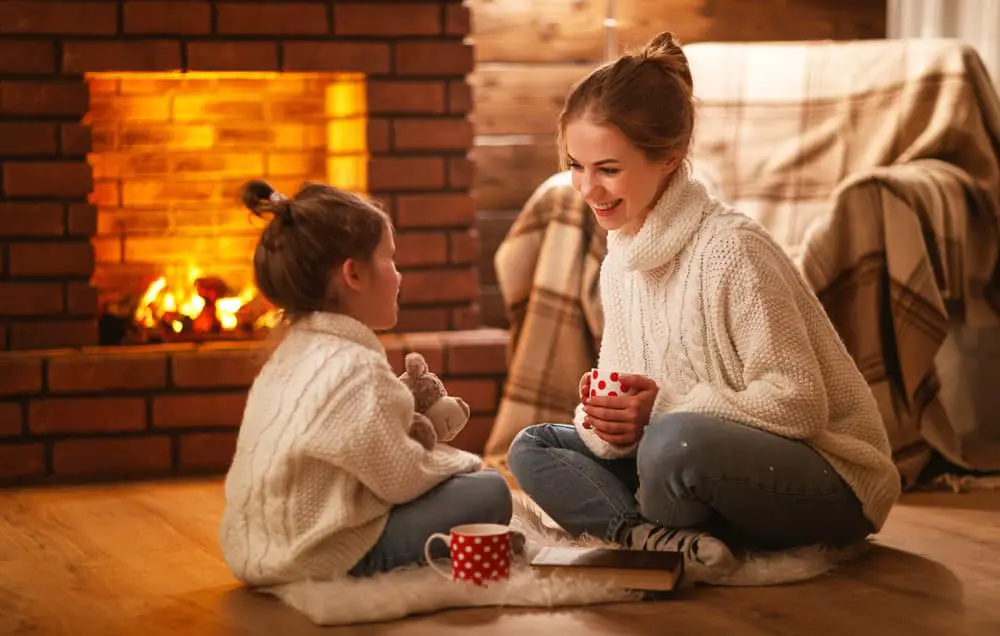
<point x="621" y="419"/>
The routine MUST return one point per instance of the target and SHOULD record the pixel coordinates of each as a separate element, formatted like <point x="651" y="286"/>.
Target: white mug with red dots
<point x="480" y="553"/>
<point x="607" y="383"/>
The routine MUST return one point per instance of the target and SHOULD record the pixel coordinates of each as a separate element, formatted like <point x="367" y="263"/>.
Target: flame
<point x="166" y="304"/>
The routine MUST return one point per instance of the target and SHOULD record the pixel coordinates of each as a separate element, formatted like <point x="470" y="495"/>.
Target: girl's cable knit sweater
<point x="705" y="303"/>
<point x="323" y="453"/>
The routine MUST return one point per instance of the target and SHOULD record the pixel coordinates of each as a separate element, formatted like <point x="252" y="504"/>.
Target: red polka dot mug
<point x="480" y="553"/>
<point x="604" y="383"/>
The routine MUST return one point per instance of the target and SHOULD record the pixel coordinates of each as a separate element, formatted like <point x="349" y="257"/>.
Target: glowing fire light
<point x="193" y="303"/>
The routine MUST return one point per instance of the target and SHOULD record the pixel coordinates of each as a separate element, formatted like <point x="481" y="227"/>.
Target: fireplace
<point x="125" y="129"/>
<point x="169" y="152"/>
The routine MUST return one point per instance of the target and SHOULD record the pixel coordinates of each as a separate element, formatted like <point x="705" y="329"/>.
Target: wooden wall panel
<point x="521" y="99"/>
<point x="507" y="174"/>
<point x="530" y="52"/>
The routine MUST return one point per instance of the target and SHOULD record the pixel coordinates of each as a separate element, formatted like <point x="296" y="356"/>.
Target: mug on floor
<point x="480" y="553"/>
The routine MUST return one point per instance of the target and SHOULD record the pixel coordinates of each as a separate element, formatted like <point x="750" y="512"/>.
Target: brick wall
<point x="415" y="62"/>
<point x="129" y="412"/>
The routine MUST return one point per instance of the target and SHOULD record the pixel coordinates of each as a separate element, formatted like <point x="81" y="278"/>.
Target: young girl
<point x="326" y="481"/>
<point x="748" y="419"/>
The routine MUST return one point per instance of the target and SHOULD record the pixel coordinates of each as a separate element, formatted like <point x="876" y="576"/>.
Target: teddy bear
<point x="438" y="417"/>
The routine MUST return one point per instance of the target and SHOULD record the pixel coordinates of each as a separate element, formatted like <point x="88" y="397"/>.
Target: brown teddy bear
<point x="438" y="417"/>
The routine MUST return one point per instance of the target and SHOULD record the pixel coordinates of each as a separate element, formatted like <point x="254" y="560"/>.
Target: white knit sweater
<point x="322" y="455"/>
<point x="705" y="303"/>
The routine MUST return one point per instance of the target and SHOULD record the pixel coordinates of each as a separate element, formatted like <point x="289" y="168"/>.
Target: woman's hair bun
<point x="665" y="50"/>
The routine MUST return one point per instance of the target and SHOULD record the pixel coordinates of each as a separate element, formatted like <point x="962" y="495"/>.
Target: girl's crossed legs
<point x="481" y="497"/>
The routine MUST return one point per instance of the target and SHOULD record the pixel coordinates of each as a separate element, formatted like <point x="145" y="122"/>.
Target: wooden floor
<point x="143" y="559"/>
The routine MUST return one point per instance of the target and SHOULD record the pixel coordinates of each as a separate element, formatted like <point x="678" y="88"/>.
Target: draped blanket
<point x="873" y="163"/>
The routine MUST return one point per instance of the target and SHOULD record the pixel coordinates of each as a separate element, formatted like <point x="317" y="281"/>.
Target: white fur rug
<point x="418" y="590"/>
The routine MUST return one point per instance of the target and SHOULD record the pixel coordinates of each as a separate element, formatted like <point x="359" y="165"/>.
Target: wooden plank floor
<point x="143" y="559"/>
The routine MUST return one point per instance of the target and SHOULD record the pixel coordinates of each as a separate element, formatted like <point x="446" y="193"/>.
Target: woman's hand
<point x="621" y="419"/>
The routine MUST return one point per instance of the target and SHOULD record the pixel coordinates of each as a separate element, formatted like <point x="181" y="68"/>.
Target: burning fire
<point x="203" y="305"/>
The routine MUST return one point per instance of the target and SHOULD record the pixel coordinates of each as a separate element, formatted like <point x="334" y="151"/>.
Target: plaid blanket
<point x="873" y="163"/>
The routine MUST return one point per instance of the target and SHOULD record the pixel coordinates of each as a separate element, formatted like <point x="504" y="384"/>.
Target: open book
<point x="627" y="569"/>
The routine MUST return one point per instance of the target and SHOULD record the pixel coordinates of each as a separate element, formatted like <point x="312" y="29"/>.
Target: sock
<point x="697" y="547"/>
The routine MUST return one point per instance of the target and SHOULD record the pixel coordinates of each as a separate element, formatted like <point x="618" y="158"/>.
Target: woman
<point x="748" y="423"/>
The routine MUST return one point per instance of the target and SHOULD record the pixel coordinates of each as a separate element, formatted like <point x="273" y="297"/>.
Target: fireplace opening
<point x="174" y="246"/>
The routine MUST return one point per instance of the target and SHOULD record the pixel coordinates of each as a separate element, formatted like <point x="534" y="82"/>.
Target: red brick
<point x="148" y="55"/>
<point x="216" y="367"/>
<point x="30" y="299"/>
<point x="368" y="18"/>
<point x="435" y="210"/>
<point x="31" y="219"/>
<point x="467" y="317"/>
<point x="117" y="457"/>
<point x="81" y="299"/>
<point x="44" y="98"/>
<point x="52" y="334"/>
<point x="423" y="248"/>
<point x="405" y="173"/>
<point x="463" y="247"/>
<point x="168" y="17"/>
<point x="386" y="96"/>
<point x="232" y="56"/>
<point x="459" y="97"/>
<point x="11" y="419"/>
<point x="457" y="19"/>
<point x="478" y="352"/>
<point x="439" y="285"/>
<point x="474" y="436"/>
<point x="433" y="58"/>
<point x="27" y="139"/>
<point x="49" y="178"/>
<point x="52" y="259"/>
<point x="480" y="395"/>
<point x="86" y="415"/>
<point x="21" y="460"/>
<point x="20" y="374"/>
<point x="107" y="372"/>
<point x="432" y="134"/>
<point x="201" y="409"/>
<point x="461" y="172"/>
<point x="207" y="451"/>
<point x="431" y="346"/>
<point x="93" y="18"/>
<point x="417" y="319"/>
<point x="366" y="57"/>
<point x="26" y="56"/>
<point x="272" y="18"/>
<point x="75" y="139"/>
<point x="82" y="219"/>
<point x="379" y="131"/>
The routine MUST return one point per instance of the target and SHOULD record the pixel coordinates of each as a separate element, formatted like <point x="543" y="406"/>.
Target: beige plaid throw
<point x="873" y="163"/>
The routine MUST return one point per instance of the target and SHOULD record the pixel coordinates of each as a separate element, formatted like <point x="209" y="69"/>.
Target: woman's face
<point x="615" y="178"/>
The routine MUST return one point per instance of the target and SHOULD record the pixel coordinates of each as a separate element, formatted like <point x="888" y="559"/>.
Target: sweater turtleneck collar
<point x="668" y="227"/>
<point x="343" y="326"/>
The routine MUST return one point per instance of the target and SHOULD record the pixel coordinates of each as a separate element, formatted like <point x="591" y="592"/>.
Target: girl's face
<point x="615" y="178"/>
<point x="371" y="293"/>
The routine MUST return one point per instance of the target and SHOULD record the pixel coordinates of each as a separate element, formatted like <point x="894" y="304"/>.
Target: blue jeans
<point x="481" y="497"/>
<point x="748" y="487"/>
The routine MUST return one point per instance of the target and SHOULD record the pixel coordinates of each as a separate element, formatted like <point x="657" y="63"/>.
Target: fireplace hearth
<point x="126" y="128"/>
